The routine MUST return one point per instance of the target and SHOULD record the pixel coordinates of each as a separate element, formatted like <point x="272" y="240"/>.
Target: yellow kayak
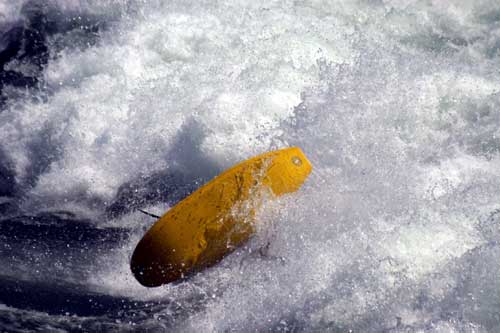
<point x="207" y="225"/>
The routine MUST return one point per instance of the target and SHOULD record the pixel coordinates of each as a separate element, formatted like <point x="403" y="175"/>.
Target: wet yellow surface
<point x="217" y="218"/>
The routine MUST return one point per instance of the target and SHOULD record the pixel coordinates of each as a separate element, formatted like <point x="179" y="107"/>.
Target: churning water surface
<point x="109" y="106"/>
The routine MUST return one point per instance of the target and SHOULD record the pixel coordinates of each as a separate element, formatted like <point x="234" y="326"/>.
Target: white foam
<point x="387" y="100"/>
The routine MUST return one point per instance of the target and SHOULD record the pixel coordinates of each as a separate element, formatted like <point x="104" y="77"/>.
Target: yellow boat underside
<point x="207" y="225"/>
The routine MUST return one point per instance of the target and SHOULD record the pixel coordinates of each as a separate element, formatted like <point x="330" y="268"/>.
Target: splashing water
<point x="396" y="104"/>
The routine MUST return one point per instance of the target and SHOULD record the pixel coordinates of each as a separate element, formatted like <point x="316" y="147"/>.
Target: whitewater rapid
<point x="395" y="103"/>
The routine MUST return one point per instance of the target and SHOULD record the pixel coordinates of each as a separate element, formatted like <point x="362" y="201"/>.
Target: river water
<point x="109" y="106"/>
